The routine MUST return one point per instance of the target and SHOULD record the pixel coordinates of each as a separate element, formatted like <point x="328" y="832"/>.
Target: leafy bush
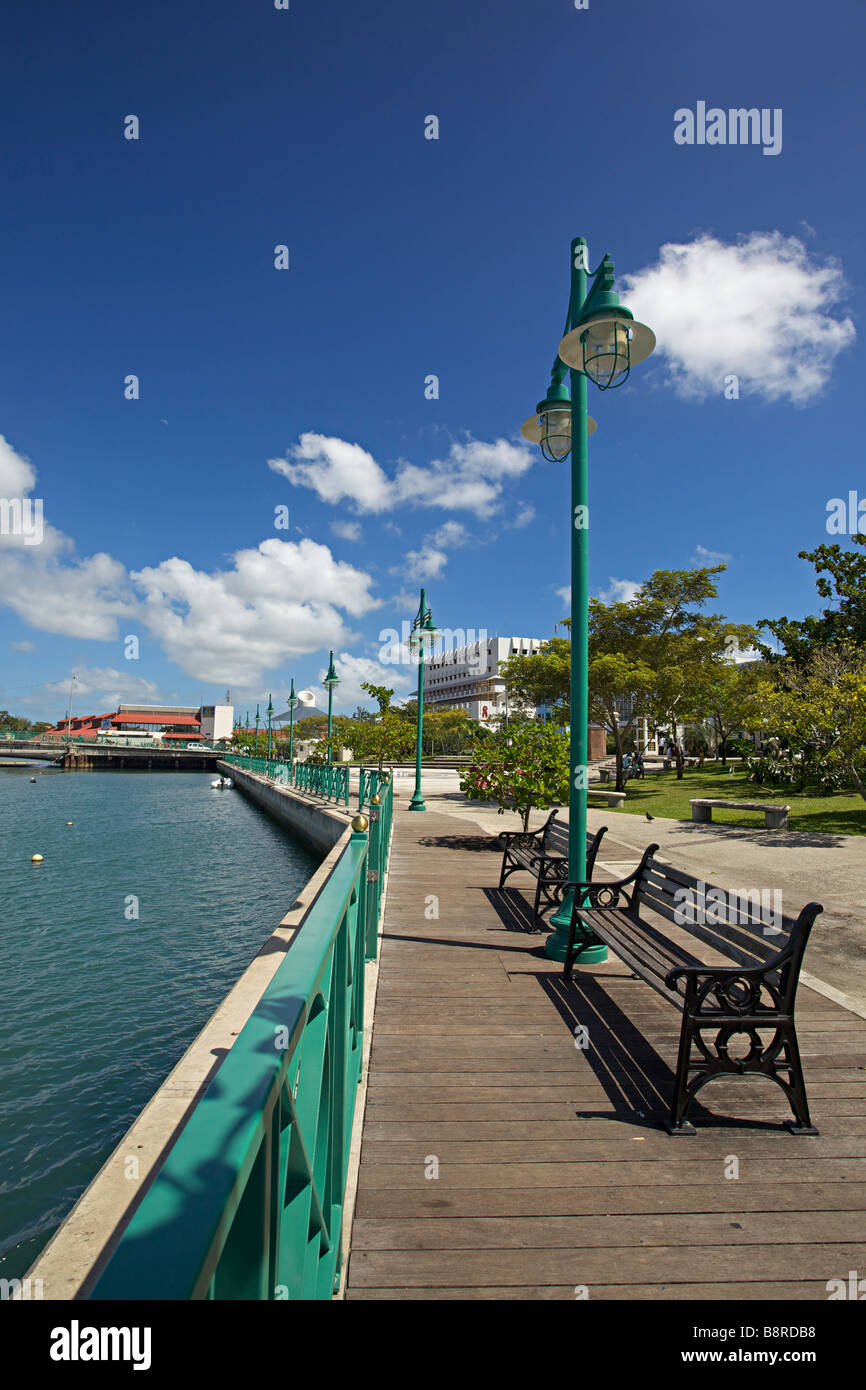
<point x="526" y="769"/>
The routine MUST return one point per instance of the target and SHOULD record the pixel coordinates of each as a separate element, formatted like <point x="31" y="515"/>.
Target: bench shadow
<point x="514" y="912"/>
<point x="470" y="842"/>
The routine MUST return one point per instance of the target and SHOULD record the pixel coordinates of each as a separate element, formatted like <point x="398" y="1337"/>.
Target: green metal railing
<point x="330" y="783"/>
<point x="249" y="1201"/>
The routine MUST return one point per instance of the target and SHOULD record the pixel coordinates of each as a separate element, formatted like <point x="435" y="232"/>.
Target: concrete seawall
<point x="73" y="1259"/>
<point x="316" y="824"/>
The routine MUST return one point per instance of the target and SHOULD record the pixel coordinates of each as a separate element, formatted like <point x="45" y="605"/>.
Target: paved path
<point x="499" y="1161"/>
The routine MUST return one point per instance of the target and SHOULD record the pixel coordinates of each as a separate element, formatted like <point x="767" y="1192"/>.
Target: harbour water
<point x="114" y="952"/>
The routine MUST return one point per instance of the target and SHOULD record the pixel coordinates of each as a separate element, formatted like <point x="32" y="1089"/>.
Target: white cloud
<point x="279" y="600"/>
<point x="524" y="515"/>
<point x="22" y="647"/>
<point x="425" y="563"/>
<point x="347" y="530"/>
<point x="620" y="591"/>
<point x="565" y="594"/>
<point x="702" y="556"/>
<point x="758" y="309"/>
<point x="112" y="687"/>
<point x="78" y="598"/>
<point x="469" y="478"/>
<point x="430" y="559"/>
<point x="353" y="670"/>
<point x="17" y="474"/>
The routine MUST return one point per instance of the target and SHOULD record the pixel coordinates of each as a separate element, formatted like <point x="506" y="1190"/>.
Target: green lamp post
<point x="292" y="703"/>
<point x="331" y="679"/>
<point x="257" y="730"/>
<point x="422" y="636"/>
<point x="602" y="342"/>
<point x="270" y="713"/>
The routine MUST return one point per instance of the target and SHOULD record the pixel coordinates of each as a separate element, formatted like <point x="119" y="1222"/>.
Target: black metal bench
<point x="544" y="854"/>
<point x="756" y="992"/>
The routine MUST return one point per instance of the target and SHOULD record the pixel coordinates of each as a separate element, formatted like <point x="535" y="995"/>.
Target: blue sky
<point x="305" y="387"/>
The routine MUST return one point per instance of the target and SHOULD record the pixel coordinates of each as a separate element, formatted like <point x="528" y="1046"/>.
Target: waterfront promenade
<point x="500" y="1161"/>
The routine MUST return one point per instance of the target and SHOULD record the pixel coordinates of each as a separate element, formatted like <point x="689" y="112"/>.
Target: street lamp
<point x="331" y="679"/>
<point x="257" y="730"/>
<point x="422" y="636"/>
<point x="270" y="713"/>
<point x="292" y="703"/>
<point x="601" y="343"/>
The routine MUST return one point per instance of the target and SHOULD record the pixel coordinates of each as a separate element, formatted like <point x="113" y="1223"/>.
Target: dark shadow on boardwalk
<point x="470" y="842"/>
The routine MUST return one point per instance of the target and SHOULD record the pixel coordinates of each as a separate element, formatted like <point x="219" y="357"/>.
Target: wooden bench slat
<point x="726" y="937"/>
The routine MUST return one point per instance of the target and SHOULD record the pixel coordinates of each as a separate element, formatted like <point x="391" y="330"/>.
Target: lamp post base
<point x="588" y="950"/>
<point x="417" y="803"/>
<point x="556" y="946"/>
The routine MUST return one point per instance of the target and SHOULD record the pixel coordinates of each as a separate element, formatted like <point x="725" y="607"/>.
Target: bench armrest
<point x="618" y="882"/>
<point x="506" y="836"/>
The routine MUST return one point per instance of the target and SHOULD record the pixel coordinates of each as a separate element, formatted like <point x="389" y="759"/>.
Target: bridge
<point x="88" y="755"/>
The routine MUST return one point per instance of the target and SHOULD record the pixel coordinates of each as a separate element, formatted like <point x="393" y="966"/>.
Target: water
<point x="96" y="1007"/>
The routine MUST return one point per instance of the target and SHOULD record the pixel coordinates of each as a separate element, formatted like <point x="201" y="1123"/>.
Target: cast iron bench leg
<point x="678" y="1124"/>
<point x="799" y="1103"/>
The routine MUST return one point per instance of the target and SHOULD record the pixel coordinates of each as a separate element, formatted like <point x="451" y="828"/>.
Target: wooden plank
<point x="657" y="1264"/>
<point x="803" y="1291"/>
<point x="578" y="1199"/>
<point x="645" y="1230"/>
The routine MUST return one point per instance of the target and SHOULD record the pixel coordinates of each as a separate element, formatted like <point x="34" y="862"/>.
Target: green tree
<point x="725" y="696"/>
<point x="648" y="655"/>
<point x="819" y="707"/>
<point x="541" y="679"/>
<point x="525" y="770"/>
<point x="380" y="693"/>
<point x="841" y="577"/>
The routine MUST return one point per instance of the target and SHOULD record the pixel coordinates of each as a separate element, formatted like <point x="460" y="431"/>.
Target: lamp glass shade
<point x="606" y="347"/>
<point x="537" y="430"/>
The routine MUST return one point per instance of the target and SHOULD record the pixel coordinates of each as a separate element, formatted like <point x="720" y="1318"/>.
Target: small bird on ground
<point x="648" y="816"/>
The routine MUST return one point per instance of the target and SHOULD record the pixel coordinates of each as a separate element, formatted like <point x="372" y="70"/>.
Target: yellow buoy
<point x="69" y="822"/>
<point x="36" y="858"/>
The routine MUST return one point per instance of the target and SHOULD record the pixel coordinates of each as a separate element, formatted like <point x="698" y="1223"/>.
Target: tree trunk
<point x="619" y="742"/>
<point x="857" y="780"/>
<point x="724" y="750"/>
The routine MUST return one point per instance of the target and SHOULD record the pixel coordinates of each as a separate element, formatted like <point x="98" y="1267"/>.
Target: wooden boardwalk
<point x="555" y="1180"/>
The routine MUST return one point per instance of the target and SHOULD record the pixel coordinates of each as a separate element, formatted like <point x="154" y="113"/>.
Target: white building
<point x="468" y="677"/>
<point x="217" y="721"/>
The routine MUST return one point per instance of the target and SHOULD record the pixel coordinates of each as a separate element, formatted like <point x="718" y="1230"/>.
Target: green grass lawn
<point x="839" y="813"/>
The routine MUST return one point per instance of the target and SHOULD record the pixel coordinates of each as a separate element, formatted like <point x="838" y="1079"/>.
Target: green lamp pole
<point x="270" y="713"/>
<point x="247" y="730"/>
<point x="602" y="341"/>
<point x="257" y="731"/>
<point x="331" y="679"/>
<point x="292" y="703"/>
<point x="423" y="634"/>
